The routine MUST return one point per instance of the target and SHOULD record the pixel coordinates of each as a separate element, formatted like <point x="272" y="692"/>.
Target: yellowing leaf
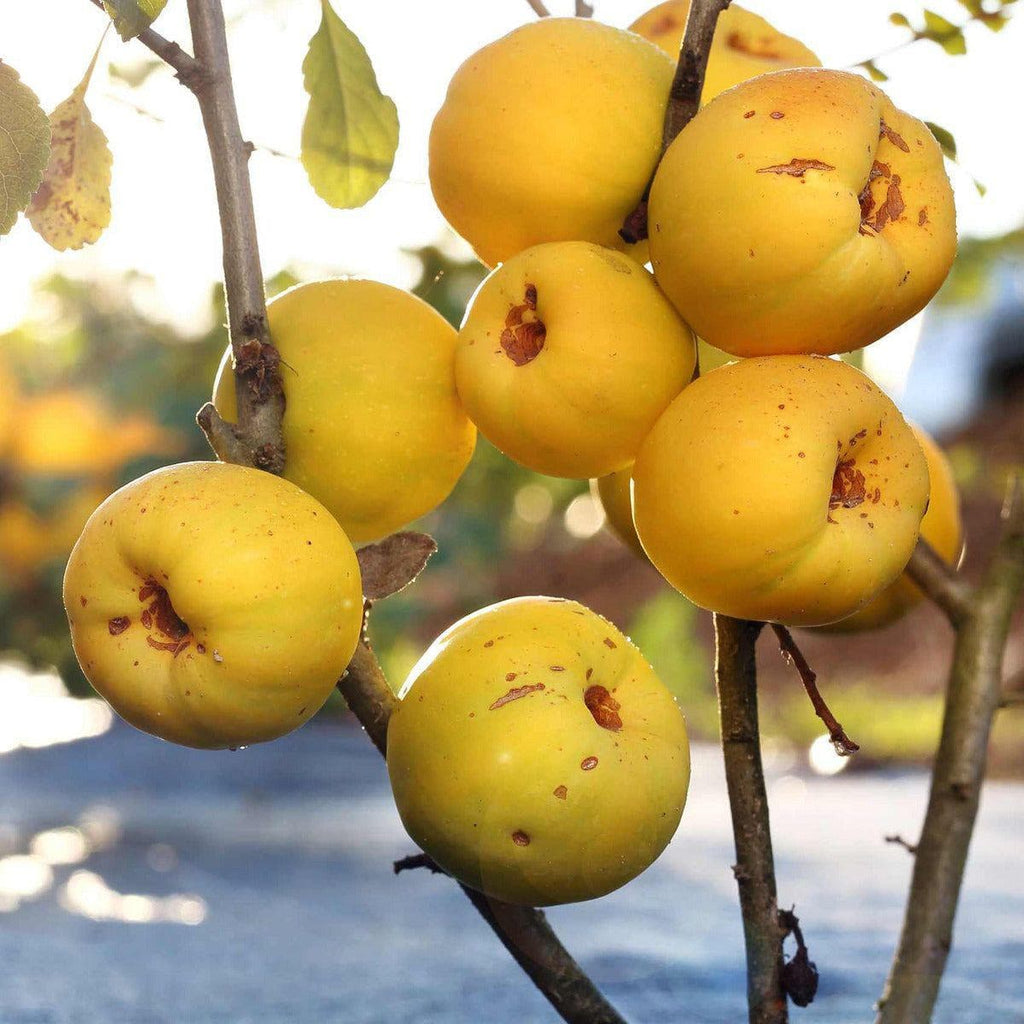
<point x="130" y="17"/>
<point x="874" y="71"/>
<point x="72" y="205"/>
<point x="350" y="133"/>
<point x="24" y="145"/>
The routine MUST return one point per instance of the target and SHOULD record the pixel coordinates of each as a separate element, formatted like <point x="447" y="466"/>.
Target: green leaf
<point x="942" y="31"/>
<point x="944" y="138"/>
<point x="72" y="205"/>
<point x="350" y="133"/>
<point x="901" y="20"/>
<point x="875" y="73"/>
<point x="130" y="17"/>
<point x="24" y="145"/>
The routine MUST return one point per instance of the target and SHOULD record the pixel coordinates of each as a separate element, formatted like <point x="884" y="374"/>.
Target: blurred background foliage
<point x="93" y="392"/>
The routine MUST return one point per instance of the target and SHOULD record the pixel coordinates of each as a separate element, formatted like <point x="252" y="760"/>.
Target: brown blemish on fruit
<point x="160" y="614"/>
<point x="84" y="601"/>
<point x="117" y="626"/>
<point x="604" y="707"/>
<point x="509" y="676"/>
<point x="776" y="115"/>
<point x="848" y="487"/>
<point x="514" y="694"/>
<point x="557" y="668"/>
<point x="588" y="764"/>
<point x="200" y="649"/>
<point x="891" y="208"/>
<point x="752" y="47"/>
<point x="609" y="642"/>
<point x="797" y="167"/>
<point x="590" y="672"/>
<point x="885" y="132"/>
<point x="922" y="216"/>
<point x="561" y="792"/>
<point x="520" y="838"/>
<point x="522" y="339"/>
<point x="750" y="113"/>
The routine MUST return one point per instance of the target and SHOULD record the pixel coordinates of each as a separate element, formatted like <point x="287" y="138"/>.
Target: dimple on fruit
<point x="550" y="133"/>
<point x="373" y="427"/>
<point x="536" y="756"/>
<point x="801" y="212"/>
<point x="942" y="527"/>
<point x="568" y="354"/>
<point x="781" y="488"/>
<point x="213" y="605"/>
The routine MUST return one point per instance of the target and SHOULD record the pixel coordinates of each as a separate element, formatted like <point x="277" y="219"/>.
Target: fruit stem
<point x="736" y="680"/>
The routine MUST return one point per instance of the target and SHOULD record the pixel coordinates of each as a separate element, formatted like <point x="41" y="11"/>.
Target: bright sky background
<point x="164" y="213"/>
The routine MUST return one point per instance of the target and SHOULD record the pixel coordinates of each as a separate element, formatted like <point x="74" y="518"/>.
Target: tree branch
<point x="684" y="95"/>
<point x="972" y="696"/>
<point x="169" y="52"/>
<point x="736" y="679"/>
<point x="930" y="571"/>
<point x="539" y="9"/>
<point x="688" y="83"/>
<point x="256" y="440"/>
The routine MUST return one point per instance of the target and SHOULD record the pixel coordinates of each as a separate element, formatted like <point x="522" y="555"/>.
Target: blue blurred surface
<point x="289" y="845"/>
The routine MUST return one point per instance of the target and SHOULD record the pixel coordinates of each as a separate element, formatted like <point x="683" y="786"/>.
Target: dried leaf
<point x="350" y="133"/>
<point x="130" y="17"/>
<point x="393" y="563"/>
<point x="24" y="145"/>
<point x="72" y="205"/>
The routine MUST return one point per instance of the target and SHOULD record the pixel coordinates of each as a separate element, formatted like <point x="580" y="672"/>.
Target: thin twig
<point x="933" y="574"/>
<point x="583" y="9"/>
<point x="972" y="697"/>
<point x="169" y="52"/>
<point x="684" y="96"/>
<point x="736" y="679"/>
<point x="898" y="840"/>
<point x="844" y="746"/>
<point x="539" y="9"/>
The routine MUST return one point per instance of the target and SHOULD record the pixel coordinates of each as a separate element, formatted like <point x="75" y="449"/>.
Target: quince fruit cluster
<point x="798" y="215"/>
<point x="534" y="754"/>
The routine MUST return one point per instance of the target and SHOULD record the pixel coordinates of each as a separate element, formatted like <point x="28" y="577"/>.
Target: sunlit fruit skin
<point x="613" y="492"/>
<point x="780" y="488"/>
<point x="744" y="44"/>
<point x="824" y="216"/>
<point x="501" y="771"/>
<point x="568" y="353"/>
<point x="942" y="527"/>
<point x="212" y="605"/>
<point x="373" y="427"/>
<point x="550" y="133"/>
